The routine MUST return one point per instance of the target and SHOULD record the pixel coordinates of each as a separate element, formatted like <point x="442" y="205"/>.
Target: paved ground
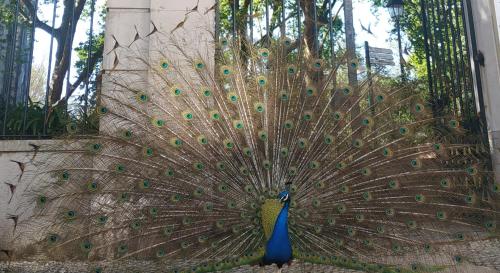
<point x="124" y="267"/>
<point x="479" y="257"/>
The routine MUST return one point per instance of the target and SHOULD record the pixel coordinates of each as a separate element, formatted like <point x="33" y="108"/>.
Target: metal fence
<point x="63" y="77"/>
<point x="449" y="38"/>
<point x="447" y="33"/>
<point x="310" y="22"/>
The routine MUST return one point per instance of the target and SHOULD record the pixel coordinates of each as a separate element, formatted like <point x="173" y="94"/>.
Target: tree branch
<point x="38" y="23"/>
<point x="43" y="26"/>
<point x="272" y="28"/>
<point x="83" y="75"/>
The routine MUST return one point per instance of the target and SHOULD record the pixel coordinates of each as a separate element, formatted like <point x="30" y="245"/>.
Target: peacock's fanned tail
<point x="182" y="167"/>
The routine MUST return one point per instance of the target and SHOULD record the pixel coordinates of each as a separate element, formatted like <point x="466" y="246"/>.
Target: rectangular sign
<point x="382" y="56"/>
<point x="375" y="50"/>
<point x="382" y="62"/>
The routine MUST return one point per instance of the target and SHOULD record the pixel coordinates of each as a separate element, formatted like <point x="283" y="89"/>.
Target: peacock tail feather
<point x="187" y="170"/>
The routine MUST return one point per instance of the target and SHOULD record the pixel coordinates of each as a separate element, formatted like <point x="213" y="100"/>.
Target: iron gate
<point x="452" y="60"/>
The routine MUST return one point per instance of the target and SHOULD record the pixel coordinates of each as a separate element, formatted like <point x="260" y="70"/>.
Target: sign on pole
<point x="380" y="56"/>
<point x="376" y="56"/>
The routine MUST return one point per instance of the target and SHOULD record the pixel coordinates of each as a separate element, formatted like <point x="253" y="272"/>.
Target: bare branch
<point x="43" y="26"/>
<point x="38" y="23"/>
<point x="83" y="75"/>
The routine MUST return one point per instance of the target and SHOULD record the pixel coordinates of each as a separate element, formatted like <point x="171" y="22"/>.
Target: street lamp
<point x="395" y="8"/>
<point x="396" y="11"/>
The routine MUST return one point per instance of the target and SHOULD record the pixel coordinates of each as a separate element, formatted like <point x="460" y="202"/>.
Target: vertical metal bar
<point x="49" y="69"/>
<point x="299" y="25"/>
<point x="469" y="80"/>
<point x="330" y="30"/>
<point x="10" y="67"/>
<point x="283" y="19"/>
<point x="17" y="55"/>
<point x="442" y="60"/>
<point x="461" y="63"/>
<point x="452" y="47"/>
<point x="251" y="21"/>
<point x="268" y="30"/>
<point x="448" y="60"/>
<point x="89" y="56"/>
<point x="400" y="48"/>
<point x="20" y="66"/>
<point x="461" y="51"/>
<point x="71" y="30"/>
<point x="425" y="23"/>
<point x="316" y="41"/>
<point x="435" y="56"/>
<point x="456" y="60"/>
<point x="234" y="19"/>
<point x="30" y="61"/>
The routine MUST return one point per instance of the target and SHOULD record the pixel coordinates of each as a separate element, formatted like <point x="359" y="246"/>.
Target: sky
<point x="379" y="21"/>
<point x="381" y="25"/>
<point x="42" y="39"/>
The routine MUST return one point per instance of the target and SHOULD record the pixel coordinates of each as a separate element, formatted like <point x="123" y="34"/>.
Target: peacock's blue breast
<point x="279" y="247"/>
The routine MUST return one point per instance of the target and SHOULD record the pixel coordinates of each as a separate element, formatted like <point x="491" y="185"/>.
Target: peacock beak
<point x="284" y="198"/>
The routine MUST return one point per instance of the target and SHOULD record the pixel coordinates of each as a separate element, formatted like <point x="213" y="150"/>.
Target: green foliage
<point x="21" y="122"/>
<point x="7" y="11"/>
<point x="82" y="51"/>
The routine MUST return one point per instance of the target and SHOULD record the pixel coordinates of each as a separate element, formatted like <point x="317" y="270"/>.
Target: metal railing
<point x="449" y="40"/>
<point x="445" y="35"/>
<point x="281" y="18"/>
<point x="21" y="116"/>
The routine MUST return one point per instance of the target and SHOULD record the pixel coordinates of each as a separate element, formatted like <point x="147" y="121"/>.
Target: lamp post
<point x="396" y="11"/>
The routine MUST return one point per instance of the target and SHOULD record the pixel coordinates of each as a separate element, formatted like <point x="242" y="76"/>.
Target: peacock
<point x="265" y="156"/>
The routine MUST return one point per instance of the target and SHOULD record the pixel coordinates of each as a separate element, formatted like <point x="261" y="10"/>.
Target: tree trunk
<point x="309" y="29"/>
<point x="66" y="33"/>
<point x="351" y="71"/>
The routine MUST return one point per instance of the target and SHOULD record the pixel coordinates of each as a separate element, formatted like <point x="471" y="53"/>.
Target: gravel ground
<point x="35" y="267"/>
<point x="480" y="257"/>
<point x="137" y="266"/>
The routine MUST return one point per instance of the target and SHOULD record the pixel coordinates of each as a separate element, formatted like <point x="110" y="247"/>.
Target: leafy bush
<point x="30" y="121"/>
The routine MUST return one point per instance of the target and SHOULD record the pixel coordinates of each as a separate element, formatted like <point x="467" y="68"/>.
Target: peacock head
<point x="284" y="197"/>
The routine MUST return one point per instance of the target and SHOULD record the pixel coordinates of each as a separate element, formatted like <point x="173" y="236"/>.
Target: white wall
<point x="126" y="16"/>
<point x="18" y="150"/>
<point x="487" y="27"/>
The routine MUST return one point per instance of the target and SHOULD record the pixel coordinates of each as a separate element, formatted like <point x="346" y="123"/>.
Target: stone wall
<point x="147" y="29"/>
<point x="10" y="172"/>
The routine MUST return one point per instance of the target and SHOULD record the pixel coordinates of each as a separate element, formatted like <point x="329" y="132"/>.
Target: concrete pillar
<point x="486" y="16"/>
<point x="141" y="34"/>
<point x="130" y="19"/>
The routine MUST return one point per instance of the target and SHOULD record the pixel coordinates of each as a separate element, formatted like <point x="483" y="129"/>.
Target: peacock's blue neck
<point x="279" y="248"/>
